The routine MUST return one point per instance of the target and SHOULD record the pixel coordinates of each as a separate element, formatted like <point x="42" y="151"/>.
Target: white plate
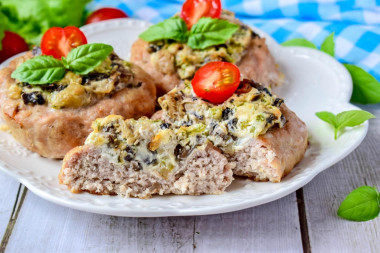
<point x="315" y="82"/>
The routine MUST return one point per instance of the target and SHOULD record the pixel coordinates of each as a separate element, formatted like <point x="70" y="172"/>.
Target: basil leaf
<point x="352" y="118"/>
<point x="360" y="205"/>
<point x="40" y="70"/>
<point x="366" y="87"/>
<point x="65" y="63"/>
<point x="345" y="119"/>
<point x="299" y="42"/>
<point x="327" y="117"/>
<point x="173" y="28"/>
<point x="209" y="32"/>
<point x="328" y="45"/>
<point x="85" y="58"/>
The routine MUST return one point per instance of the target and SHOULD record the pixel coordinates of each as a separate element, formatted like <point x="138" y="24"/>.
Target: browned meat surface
<point x="259" y="65"/>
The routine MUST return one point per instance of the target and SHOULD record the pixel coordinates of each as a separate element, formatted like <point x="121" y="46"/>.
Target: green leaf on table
<point x="40" y="70"/>
<point x="299" y="42"/>
<point x="209" y="32"/>
<point x="173" y="28"/>
<point x="85" y="58"/>
<point x="361" y="204"/>
<point x="345" y="119"/>
<point x="328" y="45"/>
<point x="366" y="87"/>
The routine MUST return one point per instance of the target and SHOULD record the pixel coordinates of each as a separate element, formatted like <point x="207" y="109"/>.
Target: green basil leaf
<point x="352" y="118"/>
<point x="299" y="42"/>
<point x="85" y="58"/>
<point x="173" y="28"/>
<point x="366" y="87"/>
<point x="328" y="45"/>
<point x="327" y="117"/>
<point x="65" y="63"/>
<point x="40" y="70"/>
<point x="345" y="119"/>
<point x="209" y="32"/>
<point x="360" y="205"/>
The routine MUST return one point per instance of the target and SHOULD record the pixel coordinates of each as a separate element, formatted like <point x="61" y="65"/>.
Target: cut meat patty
<point x="273" y="155"/>
<point x="281" y="137"/>
<point x="141" y="158"/>
<point x="270" y="156"/>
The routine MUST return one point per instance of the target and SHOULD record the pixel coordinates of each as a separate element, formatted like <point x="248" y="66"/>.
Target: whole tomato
<point x="12" y="44"/>
<point x="105" y="14"/>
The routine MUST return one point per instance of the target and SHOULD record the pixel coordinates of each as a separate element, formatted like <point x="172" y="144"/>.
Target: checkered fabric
<point x="356" y="23"/>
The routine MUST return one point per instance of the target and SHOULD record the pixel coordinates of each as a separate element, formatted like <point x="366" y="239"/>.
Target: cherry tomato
<point x="216" y="81"/>
<point x="105" y="14"/>
<point x="192" y="10"/>
<point x="59" y="41"/>
<point x="12" y="44"/>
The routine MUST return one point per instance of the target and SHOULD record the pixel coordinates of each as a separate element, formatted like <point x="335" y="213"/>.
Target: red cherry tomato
<point x="105" y="14"/>
<point x="216" y="81"/>
<point x="12" y="44"/>
<point x="192" y="10"/>
<point x="59" y="41"/>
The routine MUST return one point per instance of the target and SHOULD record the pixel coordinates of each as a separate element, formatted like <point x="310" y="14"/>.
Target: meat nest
<point x="53" y="132"/>
<point x="257" y="64"/>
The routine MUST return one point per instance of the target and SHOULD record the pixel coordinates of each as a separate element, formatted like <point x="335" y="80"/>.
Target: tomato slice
<point x="59" y="41"/>
<point x="105" y="14"/>
<point x="193" y="10"/>
<point x="216" y="81"/>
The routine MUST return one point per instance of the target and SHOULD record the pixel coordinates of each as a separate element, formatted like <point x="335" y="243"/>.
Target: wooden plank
<point x="273" y="227"/>
<point x="46" y="227"/>
<point x="328" y="232"/>
<point x="8" y="197"/>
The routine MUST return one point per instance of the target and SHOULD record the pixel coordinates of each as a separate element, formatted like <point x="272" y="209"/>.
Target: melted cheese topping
<point x="161" y="147"/>
<point x="170" y="57"/>
<point x="242" y="117"/>
<point x="75" y="90"/>
<point x="144" y="144"/>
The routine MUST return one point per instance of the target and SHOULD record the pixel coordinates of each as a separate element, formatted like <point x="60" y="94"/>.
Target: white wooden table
<point x="303" y="221"/>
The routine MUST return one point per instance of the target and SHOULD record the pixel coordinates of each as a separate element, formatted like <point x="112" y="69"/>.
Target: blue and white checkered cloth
<point x="356" y="23"/>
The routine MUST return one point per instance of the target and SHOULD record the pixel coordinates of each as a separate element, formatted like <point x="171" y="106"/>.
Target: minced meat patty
<point x="52" y="119"/>
<point x="169" y="62"/>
